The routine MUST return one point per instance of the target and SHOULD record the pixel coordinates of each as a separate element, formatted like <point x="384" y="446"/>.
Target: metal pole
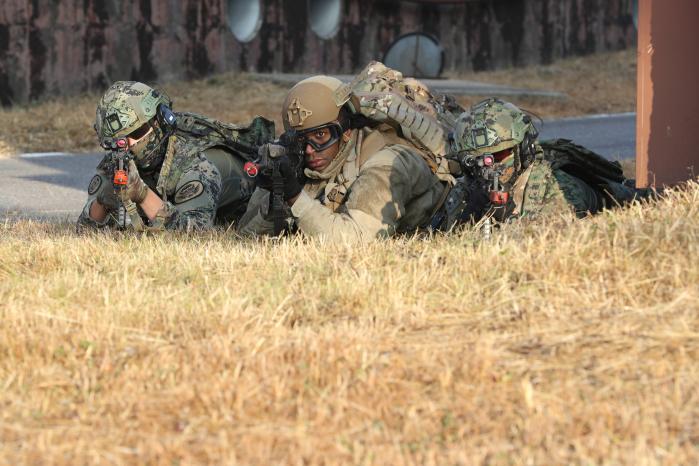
<point x="667" y="113"/>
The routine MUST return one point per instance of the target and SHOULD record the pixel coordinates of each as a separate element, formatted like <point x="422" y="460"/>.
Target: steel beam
<point x="667" y="110"/>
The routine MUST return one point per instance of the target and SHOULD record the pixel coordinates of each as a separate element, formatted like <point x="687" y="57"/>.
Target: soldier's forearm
<point x="151" y="204"/>
<point x="316" y="220"/>
<point x="97" y="212"/>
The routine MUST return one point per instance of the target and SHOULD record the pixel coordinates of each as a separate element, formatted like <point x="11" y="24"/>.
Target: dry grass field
<point x="600" y="83"/>
<point x="595" y="84"/>
<point x="566" y="342"/>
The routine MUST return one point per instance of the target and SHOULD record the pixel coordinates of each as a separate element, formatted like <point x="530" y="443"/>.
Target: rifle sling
<point x="277" y="199"/>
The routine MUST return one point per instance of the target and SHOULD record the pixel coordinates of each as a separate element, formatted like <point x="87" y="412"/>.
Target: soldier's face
<point x="318" y="160"/>
<point x="138" y="137"/>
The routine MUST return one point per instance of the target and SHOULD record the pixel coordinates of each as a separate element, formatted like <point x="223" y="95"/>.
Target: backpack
<point x="384" y="96"/>
<point x="580" y="162"/>
<point x="605" y="176"/>
<point x="241" y="140"/>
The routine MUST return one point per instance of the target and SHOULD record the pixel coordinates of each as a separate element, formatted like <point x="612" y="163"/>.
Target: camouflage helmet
<point x="126" y="107"/>
<point x="492" y="126"/>
<point x="312" y="103"/>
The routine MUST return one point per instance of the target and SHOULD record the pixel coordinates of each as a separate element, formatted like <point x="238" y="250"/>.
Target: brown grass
<point x="569" y="342"/>
<point x="595" y="84"/>
<point x="65" y="124"/>
<point x="601" y="83"/>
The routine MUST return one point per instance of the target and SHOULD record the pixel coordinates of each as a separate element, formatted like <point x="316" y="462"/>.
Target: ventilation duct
<point x="415" y="54"/>
<point x="324" y="17"/>
<point x="244" y="18"/>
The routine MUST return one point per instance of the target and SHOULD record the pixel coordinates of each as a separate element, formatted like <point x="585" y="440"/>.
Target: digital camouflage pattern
<point x="126" y="106"/>
<point x="188" y="165"/>
<point x="550" y="191"/>
<point x="491" y="126"/>
<point x="541" y="178"/>
<point x="190" y="184"/>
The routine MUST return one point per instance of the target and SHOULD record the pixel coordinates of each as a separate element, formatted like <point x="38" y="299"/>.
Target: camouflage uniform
<point x="192" y="187"/>
<point x="378" y="185"/>
<point x="550" y="191"/>
<point x="540" y="178"/>
<point x="196" y="168"/>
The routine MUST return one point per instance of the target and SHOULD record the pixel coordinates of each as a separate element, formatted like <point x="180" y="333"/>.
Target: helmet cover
<point x="125" y="107"/>
<point x="491" y="126"/>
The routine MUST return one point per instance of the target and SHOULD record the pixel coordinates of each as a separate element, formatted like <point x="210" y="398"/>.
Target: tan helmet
<point x="312" y="102"/>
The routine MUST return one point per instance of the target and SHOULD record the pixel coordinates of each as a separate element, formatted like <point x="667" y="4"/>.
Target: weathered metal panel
<point x="49" y="47"/>
<point x="644" y="92"/>
<point x="668" y="95"/>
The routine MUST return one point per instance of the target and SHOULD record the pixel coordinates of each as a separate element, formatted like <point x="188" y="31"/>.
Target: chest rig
<point x="369" y="142"/>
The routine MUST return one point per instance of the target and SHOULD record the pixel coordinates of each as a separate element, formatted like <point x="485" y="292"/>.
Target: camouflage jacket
<point x="549" y="187"/>
<point x="188" y="182"/>
<point x="382" y="186"/>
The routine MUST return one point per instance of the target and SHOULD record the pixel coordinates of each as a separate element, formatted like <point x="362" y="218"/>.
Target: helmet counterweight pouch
<point x="166" y="117"/>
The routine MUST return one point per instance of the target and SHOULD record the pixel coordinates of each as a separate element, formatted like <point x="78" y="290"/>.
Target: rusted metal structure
<point x="69" y="46"/>
<point x="667" y="110"/>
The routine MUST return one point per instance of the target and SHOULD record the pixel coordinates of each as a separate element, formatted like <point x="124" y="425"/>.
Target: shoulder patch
<point x="188" y="191"/>
<point x="95" y="184"/>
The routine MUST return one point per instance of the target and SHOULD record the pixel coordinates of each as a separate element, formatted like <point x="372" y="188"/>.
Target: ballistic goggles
<point x="321" y="137"/>
<point x="137" y="134"/>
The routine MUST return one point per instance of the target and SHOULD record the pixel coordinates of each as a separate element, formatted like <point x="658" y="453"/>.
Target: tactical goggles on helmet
<point x="321" y="137"/>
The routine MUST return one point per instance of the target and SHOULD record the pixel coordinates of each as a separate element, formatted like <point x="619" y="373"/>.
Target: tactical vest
<point x="369" y="143"/>
<point x="217" y="140"/>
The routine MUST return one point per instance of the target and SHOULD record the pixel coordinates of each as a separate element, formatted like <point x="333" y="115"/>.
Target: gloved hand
<point x="136" y="189"/>
<point x="269" y="156"/>
<point x="105" y="194"/>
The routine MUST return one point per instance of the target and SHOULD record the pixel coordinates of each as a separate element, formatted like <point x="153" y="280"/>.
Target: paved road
<point x="613" y="136"/>
<point x="50" y="186"/>
<point x="53" y="185"/>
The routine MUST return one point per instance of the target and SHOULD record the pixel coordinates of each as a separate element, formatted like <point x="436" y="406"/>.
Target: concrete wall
<point x="68" y="46"/>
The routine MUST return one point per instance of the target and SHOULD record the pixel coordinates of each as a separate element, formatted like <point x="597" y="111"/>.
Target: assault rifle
<point x="119" y="163"/>
<point x="269" y="166"/>
<point x="482" y="170"/>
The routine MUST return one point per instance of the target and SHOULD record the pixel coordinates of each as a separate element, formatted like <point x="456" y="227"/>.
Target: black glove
<point x="103" y="191"/>
<point x="273" y="157"/>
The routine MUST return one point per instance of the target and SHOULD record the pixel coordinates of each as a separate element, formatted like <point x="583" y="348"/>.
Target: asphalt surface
<point x="53" y="186"/>
<point x="613" y="136"/>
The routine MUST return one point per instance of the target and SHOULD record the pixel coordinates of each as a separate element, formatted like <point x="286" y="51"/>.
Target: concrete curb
<point x="444" y="86"/>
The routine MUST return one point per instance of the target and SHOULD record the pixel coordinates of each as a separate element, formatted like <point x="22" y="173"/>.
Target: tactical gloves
<point x="105" y="194"/>
<point x="136" y="189"/>
<point x="274" y="158"/>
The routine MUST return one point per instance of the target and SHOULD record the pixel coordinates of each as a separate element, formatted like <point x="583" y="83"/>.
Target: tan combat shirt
<point x="383" y="187"/>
